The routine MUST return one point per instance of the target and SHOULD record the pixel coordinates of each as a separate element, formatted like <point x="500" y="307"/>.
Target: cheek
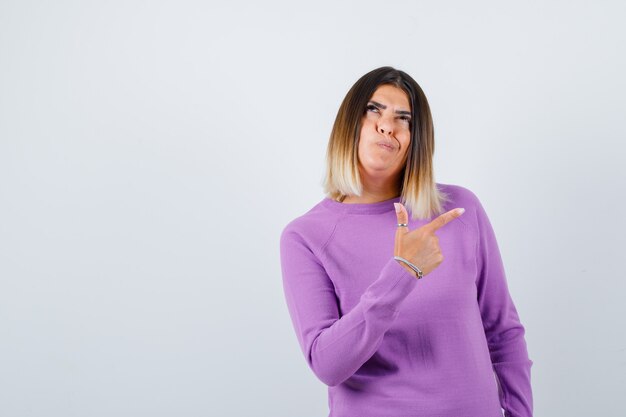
<point x="366" y="124"/>
<point x="366" y="127"/>
<point x="405" y="139"/>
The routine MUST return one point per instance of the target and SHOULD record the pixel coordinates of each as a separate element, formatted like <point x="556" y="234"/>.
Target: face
<point x="385" y="132"/>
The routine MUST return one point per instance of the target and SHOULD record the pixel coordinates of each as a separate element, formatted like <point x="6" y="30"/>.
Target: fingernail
<point x="460" y="211"/>
<point x="398" y="208"/>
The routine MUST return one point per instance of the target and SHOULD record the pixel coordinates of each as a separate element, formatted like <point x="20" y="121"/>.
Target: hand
<point x="421" y="246"/>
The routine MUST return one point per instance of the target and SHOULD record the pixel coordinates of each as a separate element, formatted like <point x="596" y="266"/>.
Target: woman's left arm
<point x="503" y="329"/>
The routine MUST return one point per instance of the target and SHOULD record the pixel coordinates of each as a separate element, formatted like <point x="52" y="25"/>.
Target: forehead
<point x="391" y="95"/>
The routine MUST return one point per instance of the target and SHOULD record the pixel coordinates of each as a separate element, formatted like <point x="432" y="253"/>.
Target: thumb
<point x="402" y="217"/>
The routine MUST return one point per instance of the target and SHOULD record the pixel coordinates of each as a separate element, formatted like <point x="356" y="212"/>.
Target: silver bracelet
<point x="412" y="266"/>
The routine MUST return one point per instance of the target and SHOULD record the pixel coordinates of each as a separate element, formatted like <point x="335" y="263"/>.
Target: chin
<point x="377" y="168"/>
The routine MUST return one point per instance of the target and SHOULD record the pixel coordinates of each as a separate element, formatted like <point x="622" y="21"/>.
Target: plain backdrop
<point x="151" y="152"/>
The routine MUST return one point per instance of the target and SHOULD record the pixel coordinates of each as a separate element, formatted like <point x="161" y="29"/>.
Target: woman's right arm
<point x="335" y="346"/>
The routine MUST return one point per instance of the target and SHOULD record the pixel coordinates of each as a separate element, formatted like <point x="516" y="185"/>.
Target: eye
<point x="406" y="119"/>
<point x="371" y="107"/>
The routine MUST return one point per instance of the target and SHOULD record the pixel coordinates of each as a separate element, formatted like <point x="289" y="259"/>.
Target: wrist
<point x="409" y="266"/>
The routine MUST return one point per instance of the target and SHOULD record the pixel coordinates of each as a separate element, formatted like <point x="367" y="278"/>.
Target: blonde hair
<point x="419" y="192"/>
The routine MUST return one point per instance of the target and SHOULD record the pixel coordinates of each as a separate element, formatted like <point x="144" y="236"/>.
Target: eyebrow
<point x="382" y="106"/>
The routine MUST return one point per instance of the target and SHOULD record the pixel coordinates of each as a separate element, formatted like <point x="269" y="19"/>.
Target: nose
<point x="385" y="126"/>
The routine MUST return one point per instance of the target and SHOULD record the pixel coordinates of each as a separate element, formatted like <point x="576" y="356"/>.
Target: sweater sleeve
<point x="336" y="346"/>
<point x="503" y="329"/>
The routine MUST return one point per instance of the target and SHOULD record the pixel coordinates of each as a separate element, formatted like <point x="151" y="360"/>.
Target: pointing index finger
<point x="444" y="219"/>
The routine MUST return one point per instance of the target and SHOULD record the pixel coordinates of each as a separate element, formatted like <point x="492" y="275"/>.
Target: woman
<point x="401" y="313"/>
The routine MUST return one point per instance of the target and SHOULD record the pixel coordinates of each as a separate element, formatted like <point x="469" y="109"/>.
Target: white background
<point x="151" y="153"/>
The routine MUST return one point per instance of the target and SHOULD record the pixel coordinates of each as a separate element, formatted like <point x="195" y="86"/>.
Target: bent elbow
<point x="331" y="379"/>
<point x="329" y="372"/>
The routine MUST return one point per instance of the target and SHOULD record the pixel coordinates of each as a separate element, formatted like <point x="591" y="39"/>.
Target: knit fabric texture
<point x="389" y="345"/>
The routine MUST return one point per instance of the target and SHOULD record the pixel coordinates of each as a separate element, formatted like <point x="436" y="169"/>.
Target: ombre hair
<point x="419" y="192"/>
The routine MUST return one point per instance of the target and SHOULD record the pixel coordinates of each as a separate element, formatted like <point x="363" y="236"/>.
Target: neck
<point x="373" y="192"/>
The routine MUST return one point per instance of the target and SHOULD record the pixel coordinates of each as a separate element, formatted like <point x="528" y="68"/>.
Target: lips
<point x="386" y="145"/>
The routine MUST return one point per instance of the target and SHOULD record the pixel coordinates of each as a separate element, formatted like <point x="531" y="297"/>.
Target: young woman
<point x="406" y="312"/>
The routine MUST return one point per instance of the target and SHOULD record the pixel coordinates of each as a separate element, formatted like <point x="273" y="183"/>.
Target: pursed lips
<point x="386" y="145"/>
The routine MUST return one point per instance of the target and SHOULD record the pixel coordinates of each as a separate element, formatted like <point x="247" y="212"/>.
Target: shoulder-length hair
<point x="419" y="192"/>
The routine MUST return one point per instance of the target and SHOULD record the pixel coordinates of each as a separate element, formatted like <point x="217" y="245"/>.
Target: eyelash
<point x="404" y="118"/>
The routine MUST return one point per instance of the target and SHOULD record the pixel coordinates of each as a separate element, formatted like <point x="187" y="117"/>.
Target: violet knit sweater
<point x="388" y="345"/>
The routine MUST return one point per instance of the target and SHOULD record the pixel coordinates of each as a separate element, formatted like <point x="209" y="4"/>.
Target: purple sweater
<point x="388" y="345"/>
